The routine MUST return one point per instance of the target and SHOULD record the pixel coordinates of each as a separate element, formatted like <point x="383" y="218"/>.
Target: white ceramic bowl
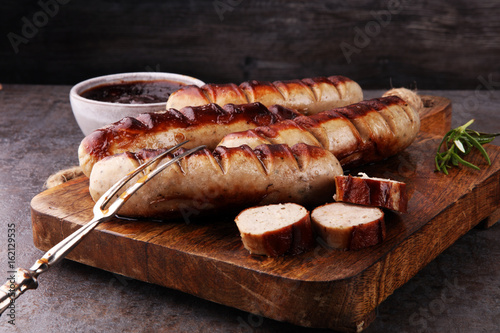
<point x="91" y="114"/>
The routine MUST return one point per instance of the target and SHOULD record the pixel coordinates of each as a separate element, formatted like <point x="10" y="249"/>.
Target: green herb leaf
<point x="461" y="141"/>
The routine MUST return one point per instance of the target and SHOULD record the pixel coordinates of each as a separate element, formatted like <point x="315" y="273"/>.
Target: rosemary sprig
<point x="459" y="142"/>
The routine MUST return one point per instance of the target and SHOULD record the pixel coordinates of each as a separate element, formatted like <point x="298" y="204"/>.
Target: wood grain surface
<point x="321" y="288"/>
<point x="431" y="44"/>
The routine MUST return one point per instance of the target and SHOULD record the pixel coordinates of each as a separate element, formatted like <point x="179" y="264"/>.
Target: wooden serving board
<point x="320" y="288"/>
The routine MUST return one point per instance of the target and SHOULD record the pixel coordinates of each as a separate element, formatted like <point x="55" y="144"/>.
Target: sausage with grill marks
<point x="360" y="133"/>
<point x="308" y="96"/>
<point x="223" y="180"/>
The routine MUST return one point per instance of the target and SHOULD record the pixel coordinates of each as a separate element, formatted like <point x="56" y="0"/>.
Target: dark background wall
<point x="442" y="44"/>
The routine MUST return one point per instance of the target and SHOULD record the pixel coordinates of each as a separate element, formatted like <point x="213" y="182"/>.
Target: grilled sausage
<point x="274" y="230"/>
<point x="375" y="192"/>
<point x="349" y="227"/>
<point x="200" y="125"/>
<point x="228" y="178"/>
<point x="360" y="133"/>
<point x="308" y="96"/>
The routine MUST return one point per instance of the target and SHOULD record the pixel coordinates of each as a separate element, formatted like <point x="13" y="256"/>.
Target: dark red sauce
<point x="134" y="92"/>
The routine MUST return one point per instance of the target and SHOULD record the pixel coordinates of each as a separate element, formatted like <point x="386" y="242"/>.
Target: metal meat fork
<point x="25" y="279"/>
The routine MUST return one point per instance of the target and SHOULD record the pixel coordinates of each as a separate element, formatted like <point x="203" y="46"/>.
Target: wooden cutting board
<point x="321" y="288"/>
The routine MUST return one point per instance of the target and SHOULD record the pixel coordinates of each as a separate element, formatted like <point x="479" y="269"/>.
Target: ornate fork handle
<point x="16" y="285"/>
<point x="25" y="279"/>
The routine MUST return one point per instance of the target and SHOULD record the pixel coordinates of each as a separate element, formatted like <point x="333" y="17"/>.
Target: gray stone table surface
<point x="457" y="292"/>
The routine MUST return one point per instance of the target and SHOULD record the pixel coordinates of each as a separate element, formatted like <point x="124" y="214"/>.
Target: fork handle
<point x="16" y="285"/>
<point x="25" y="279"/>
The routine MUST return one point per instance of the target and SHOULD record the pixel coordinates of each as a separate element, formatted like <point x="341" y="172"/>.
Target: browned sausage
<point x="200" y="125"/>
<point x="228" y="178"/>
<point x="277" y="229"/>
<point x="360" y="133"/>
<point x="308" y="96"/>
<point x="376" y="192"/>
<point x="349" y="227"/>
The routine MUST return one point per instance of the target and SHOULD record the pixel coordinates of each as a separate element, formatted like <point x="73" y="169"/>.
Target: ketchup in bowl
<point x="133" y="92"/>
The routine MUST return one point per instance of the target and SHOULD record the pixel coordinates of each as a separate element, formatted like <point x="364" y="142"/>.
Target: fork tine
<point x="104" y="200"/>
<point x="141" y="182"/>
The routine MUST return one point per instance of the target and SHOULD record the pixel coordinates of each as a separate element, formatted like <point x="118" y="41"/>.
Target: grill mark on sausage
<point x="269" y="153"/>
<point x="266" y="132"/>
<point x="203" y="93"/>
<point x="224" y="154"/>
<point x="357" y="117"/>
<point x="182" y="163"/>
<point x="264" y="156"/>
<point x="310" y="89"/>
<point x="249" y="88"/>
<point x="283" y="87"/>
<point x="261" y="157"/>
<point x="217" y="160"/>
<point x="390" y="118"/>
<point x="245" y="92"/>
<point x="301" y="150"/>
<point x="354" y="111"/>
<point x="338" y="81"/>
<point x="144" y="155"/>
<point x="275" y="86"/>
<point x="212" y="91"/>
<point x="283" y="113"/>
<point x="310" y="83"/>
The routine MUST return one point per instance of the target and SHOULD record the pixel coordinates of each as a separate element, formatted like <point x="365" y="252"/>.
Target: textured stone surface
<point x="457" y="292"/>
